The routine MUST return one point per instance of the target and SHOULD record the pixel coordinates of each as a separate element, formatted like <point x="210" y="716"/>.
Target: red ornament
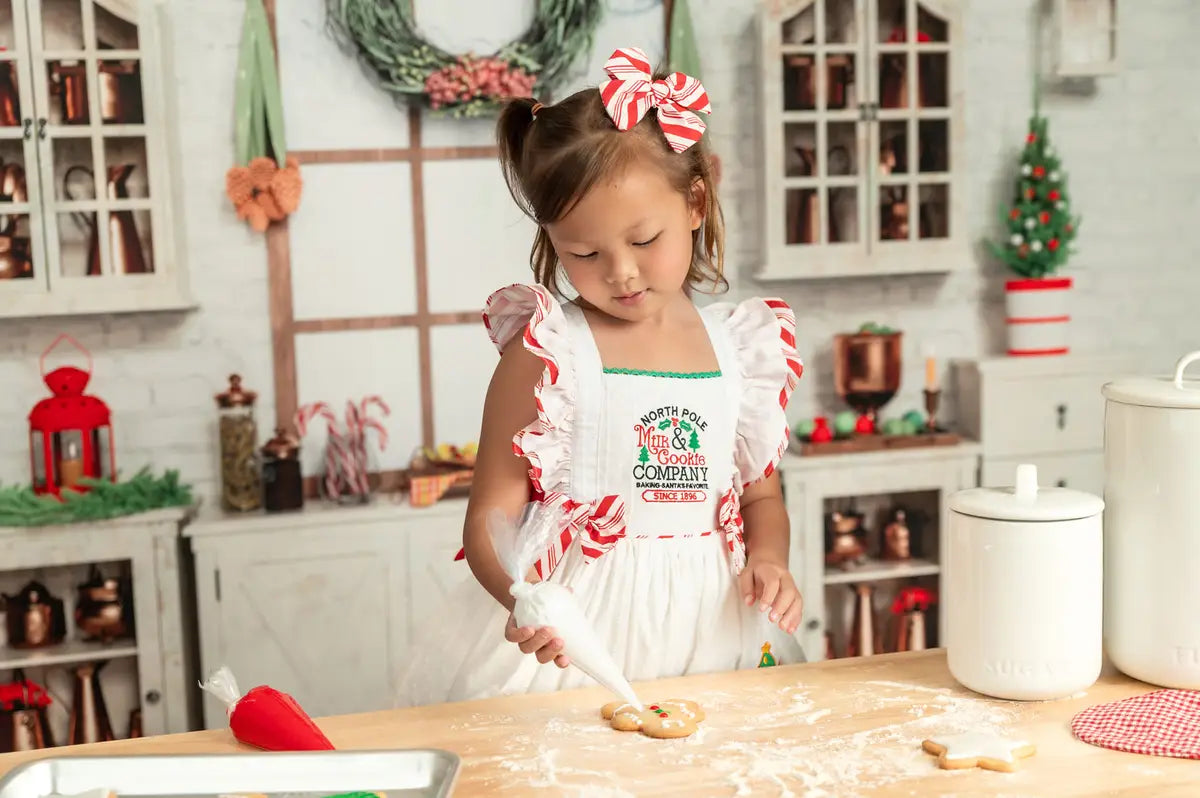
<point x="1052" y="244"/>
<point x="1044" y="217"/>
<point x="821" y="432"/>
<point x="1014" y="214"/>
<point x="1053" y="195"/>
<point x="865" y="425"/>
<point x="1029" y="193"/>
<point x="1032" y="137"/>
<point x="1039" y="171"/>
<point x="70" y="433"/>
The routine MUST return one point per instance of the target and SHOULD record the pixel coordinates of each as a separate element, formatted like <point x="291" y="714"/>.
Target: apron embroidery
<point x="670" y="466"/>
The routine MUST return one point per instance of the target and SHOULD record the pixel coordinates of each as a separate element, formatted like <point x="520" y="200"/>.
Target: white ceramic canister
<point x="1152" y="527"/>
<point x="1024" y="589"/>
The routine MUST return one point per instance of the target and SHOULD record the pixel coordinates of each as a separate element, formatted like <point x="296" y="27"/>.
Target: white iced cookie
<point x="978" y="750"/>
<point x="665" y="719"/>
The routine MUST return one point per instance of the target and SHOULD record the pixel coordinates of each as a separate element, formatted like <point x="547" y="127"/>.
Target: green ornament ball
<point x="893" y="426"/>
<point x="907" y="427"/>
<point x="843" y="422"/>
<point x="915" y="418"/>
<point x="804" y="428"/>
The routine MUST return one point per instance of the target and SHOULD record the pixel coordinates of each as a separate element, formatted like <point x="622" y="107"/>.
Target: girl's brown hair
<point x="552" y="155"/>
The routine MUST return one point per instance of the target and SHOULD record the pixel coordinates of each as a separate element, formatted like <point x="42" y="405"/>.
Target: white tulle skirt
<point x="664" y="607"/>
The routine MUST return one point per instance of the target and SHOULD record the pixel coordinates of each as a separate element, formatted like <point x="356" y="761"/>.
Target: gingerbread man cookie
<point x="663" y="720"/>
<point x="978" y="750"/>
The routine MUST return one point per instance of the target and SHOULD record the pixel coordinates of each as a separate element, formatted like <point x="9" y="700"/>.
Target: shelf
<point x="881" y="570"/>
<point x="68" y="653"/>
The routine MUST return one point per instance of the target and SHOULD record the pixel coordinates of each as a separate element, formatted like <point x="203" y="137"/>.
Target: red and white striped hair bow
<point x="630" y="92"/>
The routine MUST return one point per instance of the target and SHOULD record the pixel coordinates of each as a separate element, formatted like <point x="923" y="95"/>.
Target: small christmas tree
<point x="1039" y="223"/>
<point x="643" y="456"/>
<point x="694" y="441"/>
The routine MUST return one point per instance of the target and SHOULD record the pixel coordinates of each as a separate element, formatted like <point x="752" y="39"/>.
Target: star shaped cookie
<point x="978" y="750"/>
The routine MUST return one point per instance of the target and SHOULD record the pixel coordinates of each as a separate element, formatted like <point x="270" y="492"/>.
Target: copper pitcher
<point x="124" y="245"/>
<point x="104" y="607"/>
<point x="89" y="716"/>
<point x="866" y="369"/>
<point x="862" y="641"/>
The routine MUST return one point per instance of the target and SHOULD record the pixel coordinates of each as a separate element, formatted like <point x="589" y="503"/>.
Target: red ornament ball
<point x="1053" y="195"/>
<point x="1052" y="244"/>
<point x="1014" y="214"/>
<point x="1039" y="171"/>
<point x="1044" y="217"/>
<point x="1029" y="193"/>
<point x="1032" y="137"/>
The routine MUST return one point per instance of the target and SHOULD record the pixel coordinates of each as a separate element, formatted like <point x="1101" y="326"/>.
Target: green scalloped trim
<point x="677" y="375"/>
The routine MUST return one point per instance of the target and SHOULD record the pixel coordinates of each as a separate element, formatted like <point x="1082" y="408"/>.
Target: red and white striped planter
<point x="1037" y="316"/>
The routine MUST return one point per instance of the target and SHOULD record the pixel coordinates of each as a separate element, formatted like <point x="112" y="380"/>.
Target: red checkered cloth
<point x="1161" y="723"/>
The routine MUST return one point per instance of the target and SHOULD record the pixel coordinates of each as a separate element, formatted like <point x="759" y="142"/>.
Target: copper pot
<point x="866" y="369"/>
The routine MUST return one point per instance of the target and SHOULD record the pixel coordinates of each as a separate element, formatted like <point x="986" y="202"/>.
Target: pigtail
<point x="512" y="136"/>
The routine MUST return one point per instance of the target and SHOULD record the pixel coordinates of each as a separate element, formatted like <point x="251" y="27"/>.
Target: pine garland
<point x="384" y="36"/>
<point x="1039" y="224"/>
<point x="20" y="506"/>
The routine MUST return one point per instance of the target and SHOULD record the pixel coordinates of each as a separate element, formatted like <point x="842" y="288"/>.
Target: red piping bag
<point x="266" y="718"/>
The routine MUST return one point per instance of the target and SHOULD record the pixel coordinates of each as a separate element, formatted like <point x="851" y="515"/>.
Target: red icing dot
<point x="663" y="715"/>
<point x="654" y="707"/>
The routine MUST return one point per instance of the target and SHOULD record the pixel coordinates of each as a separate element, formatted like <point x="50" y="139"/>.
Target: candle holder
<point x="932" y="398"/>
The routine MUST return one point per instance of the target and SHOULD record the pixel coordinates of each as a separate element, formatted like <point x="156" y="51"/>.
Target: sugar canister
<point x="1152" y="526"/>
<point x="1024" y="589"/>
<point x="241" y="477"/>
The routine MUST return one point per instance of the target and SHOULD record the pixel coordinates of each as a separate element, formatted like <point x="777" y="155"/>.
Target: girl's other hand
<point x="770" y="585"/>
<point x="541" y="642"/>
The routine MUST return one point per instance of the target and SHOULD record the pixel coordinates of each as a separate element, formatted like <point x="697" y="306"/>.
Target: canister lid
<point x="1172" y="392"/>
<point x="1026" y="501"/>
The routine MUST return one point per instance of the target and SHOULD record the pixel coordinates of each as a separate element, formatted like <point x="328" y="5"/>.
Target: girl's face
<point x="626" y="245"/>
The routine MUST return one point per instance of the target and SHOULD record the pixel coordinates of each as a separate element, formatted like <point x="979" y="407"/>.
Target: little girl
<point x="660" y="422"/>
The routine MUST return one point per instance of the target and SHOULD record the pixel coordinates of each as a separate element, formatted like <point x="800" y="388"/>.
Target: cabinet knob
<point x="41" y="127"/>
<point x="27" y="128"/>
<point x="813" y="624"/>
<point x="1062" y="416"/>
<point x="153" y="696"/>
<point x="1062" y="483"/>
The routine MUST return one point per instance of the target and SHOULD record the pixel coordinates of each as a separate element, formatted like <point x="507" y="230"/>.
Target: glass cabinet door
<point x="912" y="137"/>
<point x="21" y="257"/>
<point x="823" y="133"/>
<point x="92" y="138"/>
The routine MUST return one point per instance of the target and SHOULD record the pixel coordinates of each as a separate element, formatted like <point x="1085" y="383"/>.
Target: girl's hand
<point x="769" y="583"/>
<point x="541" y="642"/>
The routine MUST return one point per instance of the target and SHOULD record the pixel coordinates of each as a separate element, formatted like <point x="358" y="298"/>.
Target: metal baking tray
<point x="406" y="773"/>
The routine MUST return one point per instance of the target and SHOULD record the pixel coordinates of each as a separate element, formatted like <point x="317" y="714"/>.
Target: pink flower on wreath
<point x="470" y="78"/>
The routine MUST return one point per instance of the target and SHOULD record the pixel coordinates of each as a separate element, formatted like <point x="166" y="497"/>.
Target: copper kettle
<point x="104" y="607"/>
<point x="124" y="245"/>
<point x="33" y="618"/>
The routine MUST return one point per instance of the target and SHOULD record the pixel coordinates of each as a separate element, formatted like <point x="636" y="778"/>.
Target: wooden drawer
<point x="1083" y="471"/>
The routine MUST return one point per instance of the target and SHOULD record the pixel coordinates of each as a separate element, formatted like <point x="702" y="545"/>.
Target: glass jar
<point x="283" y="485"/>
<point x="241" y="478"/>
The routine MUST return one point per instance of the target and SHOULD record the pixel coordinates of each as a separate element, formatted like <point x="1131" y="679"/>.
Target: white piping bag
<point x="518" y="547"/>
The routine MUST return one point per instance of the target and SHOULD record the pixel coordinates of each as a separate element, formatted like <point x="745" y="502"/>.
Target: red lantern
<point x="70" y="433"/>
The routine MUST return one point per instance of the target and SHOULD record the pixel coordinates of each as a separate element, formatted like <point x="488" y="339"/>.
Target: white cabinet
<point x="1042" y="410"/>
<point x="144" y="547"/>
<point x="89" y="218"/>
<point x="815" y="486"/>
<point x="322" y="604"/>
<point x="862" y="125"/>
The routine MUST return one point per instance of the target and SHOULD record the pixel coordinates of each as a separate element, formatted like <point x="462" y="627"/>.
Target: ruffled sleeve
<point x="532" y="313"/>
<point x="763" y="332"/>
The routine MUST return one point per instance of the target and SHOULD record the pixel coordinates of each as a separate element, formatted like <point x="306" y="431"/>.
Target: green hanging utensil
<point x="258" y="106"/>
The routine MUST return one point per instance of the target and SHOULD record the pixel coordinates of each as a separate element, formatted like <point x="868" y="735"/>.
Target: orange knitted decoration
<point x="262" y="192"/>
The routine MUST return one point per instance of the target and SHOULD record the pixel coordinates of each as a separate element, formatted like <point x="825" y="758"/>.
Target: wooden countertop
<point x="850" y="727"/>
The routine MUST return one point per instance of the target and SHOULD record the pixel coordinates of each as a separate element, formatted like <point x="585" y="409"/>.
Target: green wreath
<point x="384" y="36"/>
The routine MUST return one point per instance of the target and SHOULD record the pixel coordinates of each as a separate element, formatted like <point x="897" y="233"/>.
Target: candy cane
<point x="307" y="413"/>
<point x="358" y="449"/>
<point x="380" y="430"/>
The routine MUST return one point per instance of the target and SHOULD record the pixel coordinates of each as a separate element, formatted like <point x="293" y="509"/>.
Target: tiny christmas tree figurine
<point x="1039" y="224"/>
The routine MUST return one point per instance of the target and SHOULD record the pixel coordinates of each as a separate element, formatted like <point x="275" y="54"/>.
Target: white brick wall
<point x="1130" y="150"/>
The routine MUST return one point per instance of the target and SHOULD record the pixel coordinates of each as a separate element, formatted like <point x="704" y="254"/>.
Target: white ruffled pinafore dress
<point x="651" y="467"/>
